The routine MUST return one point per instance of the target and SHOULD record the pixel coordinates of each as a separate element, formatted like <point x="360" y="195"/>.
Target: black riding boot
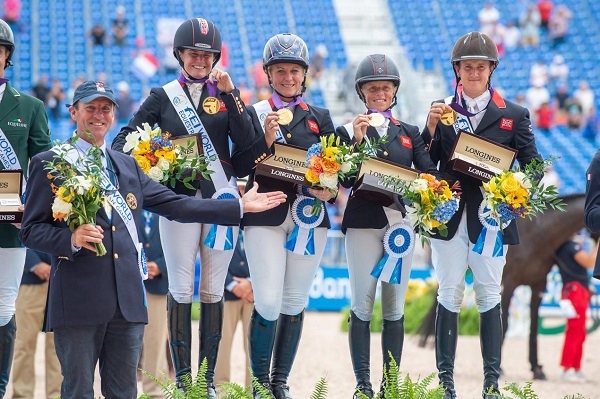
<point x="180" y="337"/>
<point x="392" y="340"/>
<point x="261" y="339"/>
<point x="289" y="330"/>
<point x="359" y="337"/>
<point x="446" y="336"/>
<point x="490" y="335"/>
<point x="211" y="326"/>
<point x="7" y="346"/>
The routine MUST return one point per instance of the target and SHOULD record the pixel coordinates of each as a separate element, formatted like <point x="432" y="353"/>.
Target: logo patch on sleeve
<point x="506" y="124"/>
<point x="312" y="125"/>
<point x="406" y="141"/>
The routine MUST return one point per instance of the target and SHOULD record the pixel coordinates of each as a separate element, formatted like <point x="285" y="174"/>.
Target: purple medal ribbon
<point x="457" y="106"/>
<point x="387" y="114"/>
<point x="210" y="86"/>
<point x="3" y="80"/>
<point x="279" y="103"/>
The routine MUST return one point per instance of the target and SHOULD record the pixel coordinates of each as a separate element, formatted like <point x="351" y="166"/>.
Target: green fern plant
<point x="194" y="388"/>
<point x="320" y="391"/>
<point x="397" y="387"/>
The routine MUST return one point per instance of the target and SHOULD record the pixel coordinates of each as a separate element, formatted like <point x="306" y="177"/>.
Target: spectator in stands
<point x="520" y="100"/>
<point x="530" y="26"/>
<point x="536" y="95"/>
<point x="317" y="65"/>
<point x="544" y="120"/>
<point x="585" y="96"/>
<point x="512" y="36"/>
<point x="545" y="8"/>
<point x="538" y="73"/>
<point x="97" y="34"/>
<point x="260" y="79"/>
<point x="283" y="251"/>
<point x="480" y="109"/>
<point x="41" y="89"/>
<point x="120" y="26"/>
<point x="12" y="12"/>
<point x="591" y="127"/>
<point x="245" y="93"/>
<point x="551" y="177"/>
<point x="239" y="302"/>
<point x="574" y="264"/>
<point x="125" y="103"/>
<point x="367" y="223"/>
<point x="154" y="359"/>
<point x="558" y="27"/>
<point x="215" y="104"/>
<point x="575" y="118"/>
<point x="31" y="307"/>
<point x="488" y="17"/>
<point x="558" y="70"/>
<point x="21" y="141"/>
<point x="55" y="98"/>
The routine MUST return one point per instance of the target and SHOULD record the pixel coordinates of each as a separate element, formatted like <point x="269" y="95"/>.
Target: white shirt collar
<point x="482" y="101"/>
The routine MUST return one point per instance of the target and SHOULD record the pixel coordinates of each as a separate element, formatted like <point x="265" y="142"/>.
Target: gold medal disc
<point x="448" y="118"/>
<point x="376" y="120"/>
<point x="285" y="116"/>
<point x="211" y="105"/>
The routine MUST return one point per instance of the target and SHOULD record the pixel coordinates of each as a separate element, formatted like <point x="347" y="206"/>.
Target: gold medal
<point x="285" y="116"/>
<point x="376" y="120"/>
<point x="448" y="118"/>
<point x="211" y="105"/>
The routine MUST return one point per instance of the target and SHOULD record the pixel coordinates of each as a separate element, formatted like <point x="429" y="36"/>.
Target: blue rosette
<point x="302" y="240"/>
<point x="489" y="243"/>
<point x="221" y="237"/>
<point x="398" y="243"/>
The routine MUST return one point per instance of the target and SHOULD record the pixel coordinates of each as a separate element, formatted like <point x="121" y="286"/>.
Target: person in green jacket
<point x="23" y="133"/>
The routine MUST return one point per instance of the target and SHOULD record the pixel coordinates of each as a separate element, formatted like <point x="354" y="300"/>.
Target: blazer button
<point x="385" y="153"/>
<point x="147" y="245"/>
<point x="116" y="256"/>
<point x="114" y="228"/>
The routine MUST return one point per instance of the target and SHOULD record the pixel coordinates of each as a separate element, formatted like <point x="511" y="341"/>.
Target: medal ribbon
<point x="489" y="243"/>
<point x="387" y="114"/>
<point x="278" y="102"/>
<point x="118" y="204"/>
<point x="193" y="125"/>
<point x="398" y="243"/>
<point x="210" y="86"/>
<point x="302" y="239"/>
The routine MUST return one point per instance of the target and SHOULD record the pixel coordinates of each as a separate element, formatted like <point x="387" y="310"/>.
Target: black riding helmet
<point x="197" y="34"/>
<point x="7" y="40"/>
<point x="474" y="46"/>
<point x="376" y="67"/>
<point x="286" y="48"/>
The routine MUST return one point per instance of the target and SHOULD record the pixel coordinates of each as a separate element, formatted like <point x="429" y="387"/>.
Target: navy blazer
<point x="238" y="267"/>
<point x="505" y="123"/>
<point x="159" y="285"/>
<point x="86" y="289"/>
<point x="592" y="203"/>
<point x="231" y="122"/>
<point x="298" y="133"/>
<point x="31" y="259"/>
<point x="405" y="147"/>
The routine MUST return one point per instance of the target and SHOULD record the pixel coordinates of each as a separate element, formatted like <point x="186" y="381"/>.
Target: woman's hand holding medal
<point x="222" y="79"/>
<point x="440" y="112"/>
<point x="360" y="125"/>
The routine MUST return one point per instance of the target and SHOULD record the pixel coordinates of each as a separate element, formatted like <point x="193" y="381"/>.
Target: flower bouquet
<point x="163" y="161"/>
<point x="80" y="194"/>
<point x="330" y="161"/>
<point x="430" y="203"/>
<point x="516" y="194"/>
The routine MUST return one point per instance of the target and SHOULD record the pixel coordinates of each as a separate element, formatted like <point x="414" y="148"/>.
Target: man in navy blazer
<point x="97" y="304"/>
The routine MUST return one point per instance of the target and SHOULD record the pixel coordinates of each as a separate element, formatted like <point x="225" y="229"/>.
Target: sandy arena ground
<point x="324" y="352"/>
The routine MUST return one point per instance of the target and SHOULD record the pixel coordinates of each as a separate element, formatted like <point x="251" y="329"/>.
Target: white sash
<point x="118" y="204"/>
<point x="8" y="156"/>
<point x="190" y="119"/>
<point x="462" y="122"/>
<point x="262" y="108"/>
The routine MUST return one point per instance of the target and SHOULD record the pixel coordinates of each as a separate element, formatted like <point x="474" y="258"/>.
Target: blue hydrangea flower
<point x="314" y="149"/>
<point x="506" y="212"/>
<point x="444" y="212"/>
<point x="158" y="142"/>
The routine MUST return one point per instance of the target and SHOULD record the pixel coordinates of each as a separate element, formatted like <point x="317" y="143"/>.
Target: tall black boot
<point x="289" y="330"/>
<point x="7" y="346"/>
<point x="446" y="336"/>
<point x="490" y="335"/>
<point x="392" y="340"/>
<point x="211" y="326"/>
<point x="261" y="339"/>
<point x="180" y="338"/>
<point x="359" y="338"/>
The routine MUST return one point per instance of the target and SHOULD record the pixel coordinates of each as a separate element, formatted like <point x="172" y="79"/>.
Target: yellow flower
<point x="144" y="147"/>
<point x="65" y="194"/>
<point x="312" y="177"/>
<point x="510" y="185"/>
<point x="166" y="153"/>
<point x="143" y="162"/>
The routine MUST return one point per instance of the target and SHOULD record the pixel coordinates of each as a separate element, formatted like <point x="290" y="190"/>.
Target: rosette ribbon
<point x="489" y="243"/>
<point x="221" y="237"/>
<point x="398" y="242"/>
<point x="302" y="239"/>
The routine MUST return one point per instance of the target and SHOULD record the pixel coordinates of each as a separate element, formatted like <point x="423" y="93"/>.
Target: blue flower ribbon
<point x="490" y="242"/>
<point x="302" y="239"/>
<point x="221" y="237"/>
<point x="398" y="242"/>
